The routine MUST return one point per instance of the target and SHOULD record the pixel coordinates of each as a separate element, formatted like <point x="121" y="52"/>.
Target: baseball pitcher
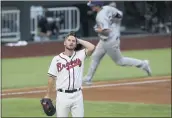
<point x="108" y="21"/>
<point x="66" y="69"/>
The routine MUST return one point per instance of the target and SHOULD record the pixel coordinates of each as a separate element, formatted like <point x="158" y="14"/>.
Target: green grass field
<point x="28" y="72"/>
<point x="32" y="108"/>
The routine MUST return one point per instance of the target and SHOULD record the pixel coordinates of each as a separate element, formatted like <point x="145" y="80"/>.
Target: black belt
<point x="69" y="91"/>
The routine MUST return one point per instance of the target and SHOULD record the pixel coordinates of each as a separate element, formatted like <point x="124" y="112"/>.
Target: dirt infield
<point x="154" y="90"/>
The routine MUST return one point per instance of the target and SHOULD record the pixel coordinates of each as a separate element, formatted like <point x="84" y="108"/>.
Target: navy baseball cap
<point x="95" y="3"/>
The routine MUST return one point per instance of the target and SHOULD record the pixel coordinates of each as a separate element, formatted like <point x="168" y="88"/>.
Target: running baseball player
<point x="67" y="70"/>
<point x="107" y="26"/>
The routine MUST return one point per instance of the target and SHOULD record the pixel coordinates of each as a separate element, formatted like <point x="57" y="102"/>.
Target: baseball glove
<point x="48" y="106"/>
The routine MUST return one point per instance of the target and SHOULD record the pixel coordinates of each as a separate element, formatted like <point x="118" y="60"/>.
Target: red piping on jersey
<point x="73" y="72"/>
<point x="68" y="70"/>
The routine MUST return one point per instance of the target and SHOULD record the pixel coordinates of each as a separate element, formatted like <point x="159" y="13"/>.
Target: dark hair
<point x="71" y="34"/>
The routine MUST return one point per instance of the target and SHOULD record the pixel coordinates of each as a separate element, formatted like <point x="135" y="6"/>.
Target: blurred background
<point x="39" y="21"/>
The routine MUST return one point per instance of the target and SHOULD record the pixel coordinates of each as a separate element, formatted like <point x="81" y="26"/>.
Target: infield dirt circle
<point x="152" y="90"/>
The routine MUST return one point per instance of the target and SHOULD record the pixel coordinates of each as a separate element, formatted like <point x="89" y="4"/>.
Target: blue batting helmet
<point x="95" y="3"/>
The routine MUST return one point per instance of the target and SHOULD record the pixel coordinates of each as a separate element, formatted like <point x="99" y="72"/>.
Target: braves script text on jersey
<point x="68" y="72"/>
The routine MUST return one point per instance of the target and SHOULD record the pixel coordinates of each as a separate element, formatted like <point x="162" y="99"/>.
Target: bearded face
<point x="70" y="43"/>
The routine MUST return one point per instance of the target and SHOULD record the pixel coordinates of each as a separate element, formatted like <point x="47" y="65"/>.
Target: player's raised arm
<point x="89" y="46"/>
<point x="117" y="13"/>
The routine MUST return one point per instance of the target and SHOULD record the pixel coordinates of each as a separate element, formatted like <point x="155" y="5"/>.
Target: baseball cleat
<point x="87" y="82"/>
<point x="147" y="67"/>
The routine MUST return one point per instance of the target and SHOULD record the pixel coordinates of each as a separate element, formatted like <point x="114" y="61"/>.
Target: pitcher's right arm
<point x="52" y="73"/>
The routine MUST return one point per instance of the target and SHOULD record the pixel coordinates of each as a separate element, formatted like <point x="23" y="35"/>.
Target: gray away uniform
<point x="110" y="43"/>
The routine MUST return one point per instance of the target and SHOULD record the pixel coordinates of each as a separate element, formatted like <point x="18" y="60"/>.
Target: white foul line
<point x="128" y="83"/>
<point x="94" y="86"/>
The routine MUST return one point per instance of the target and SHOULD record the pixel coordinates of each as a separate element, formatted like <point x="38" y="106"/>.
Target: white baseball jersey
<point x="68" y="70"/>
<point x="106" y="20"/>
